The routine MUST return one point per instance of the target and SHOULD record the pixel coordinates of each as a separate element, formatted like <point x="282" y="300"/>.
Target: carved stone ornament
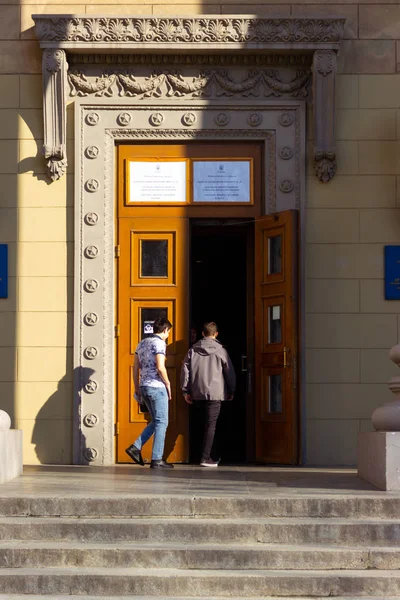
<point x="124" y="119"/>
<point x="286" y="186"/>
<point x="255" y="119"/>
<point x="91" y="454"/>
<point x="93" y="119"/>
<point x="91" y="285"/>
<point x="91" y="218"/>
<point x="189" y="119"/>
<point x="286" y="153"/>
<point x="54" y="112"/>
<point x="91" y="251"/>
<point x="232" y="36"/>
<point x="286" y="119"/>
<point x="91" y="352"/>
<point x="215" y="82"/>
<point x="156" y="119"/>
<point x="91" y="386"/>
<point x="248" y="32"/>
<point x="92" y="185"/>
<point x="92" y="152"/>
<point x="90" y="420"/>
<point x="90" y="319"/>
<point x="324" y="72"/>
<point x="222" y="119"/>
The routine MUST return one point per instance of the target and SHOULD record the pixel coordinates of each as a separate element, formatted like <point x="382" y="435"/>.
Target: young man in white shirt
<point x="152" y="388"/>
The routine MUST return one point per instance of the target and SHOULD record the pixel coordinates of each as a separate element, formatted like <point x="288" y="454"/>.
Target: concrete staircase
<point x="206" y="547"/>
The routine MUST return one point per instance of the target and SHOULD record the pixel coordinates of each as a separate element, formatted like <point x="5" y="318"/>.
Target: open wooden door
<point x="153" y="282"/>
<point x="276" y="338"/>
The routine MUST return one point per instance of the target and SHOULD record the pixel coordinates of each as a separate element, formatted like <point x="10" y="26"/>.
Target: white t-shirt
<point x="147" y="350"/>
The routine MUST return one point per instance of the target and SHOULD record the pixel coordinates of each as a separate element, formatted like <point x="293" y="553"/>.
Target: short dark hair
<point x="210" y="328"/>
<point x="161" y="324"/>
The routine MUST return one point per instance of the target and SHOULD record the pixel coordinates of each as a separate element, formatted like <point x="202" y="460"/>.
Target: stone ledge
<point x="379" y="459"/>
<point x="10" y="454"/>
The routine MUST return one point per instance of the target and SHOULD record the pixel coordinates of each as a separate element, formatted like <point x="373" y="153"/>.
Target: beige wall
<point x="349" y="325"/>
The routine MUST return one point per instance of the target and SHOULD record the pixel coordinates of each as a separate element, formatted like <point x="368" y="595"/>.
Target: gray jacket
<point x="207" y="371"/>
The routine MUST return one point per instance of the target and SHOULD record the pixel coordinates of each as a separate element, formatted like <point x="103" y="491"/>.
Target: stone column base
<point x="379" y="459"/>
<point x="10" y="454"/>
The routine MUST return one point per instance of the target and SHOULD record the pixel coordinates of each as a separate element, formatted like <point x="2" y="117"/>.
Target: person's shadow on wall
<point x="55" y="423"/>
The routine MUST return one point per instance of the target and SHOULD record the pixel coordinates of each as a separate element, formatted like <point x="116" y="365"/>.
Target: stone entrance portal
<point x="130" y="84"/>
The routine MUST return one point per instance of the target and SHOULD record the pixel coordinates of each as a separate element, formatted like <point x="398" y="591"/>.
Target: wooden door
<point x="276" y="339"/>
<point x="152" y="281"/>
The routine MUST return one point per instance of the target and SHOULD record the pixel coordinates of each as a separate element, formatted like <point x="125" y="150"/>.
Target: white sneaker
<point x="209" y="463"/>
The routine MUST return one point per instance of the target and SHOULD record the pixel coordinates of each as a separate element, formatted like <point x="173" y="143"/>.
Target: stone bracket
<point x="324" y="73"/>
<point x="55" y="68"/>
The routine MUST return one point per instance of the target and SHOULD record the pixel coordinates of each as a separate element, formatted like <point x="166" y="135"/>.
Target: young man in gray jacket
<point x="208" y="376"/>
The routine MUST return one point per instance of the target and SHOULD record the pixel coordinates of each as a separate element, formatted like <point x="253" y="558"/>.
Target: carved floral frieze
<point x="208" y="83"/>
<point x="195" y="30"/>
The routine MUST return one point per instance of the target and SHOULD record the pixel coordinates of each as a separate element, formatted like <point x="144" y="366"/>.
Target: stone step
<point x="200" y="556"/>
<point x="58" y="597"/>
<point x="354" y="506"/>
<point x="354" y="532"/>
<point x="73" y="597"/>
<point x="194" y="583"/>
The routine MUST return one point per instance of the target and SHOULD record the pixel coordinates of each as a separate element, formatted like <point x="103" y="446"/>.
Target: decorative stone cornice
<point x="219" y="36"/>
<point x="206" y="33"/>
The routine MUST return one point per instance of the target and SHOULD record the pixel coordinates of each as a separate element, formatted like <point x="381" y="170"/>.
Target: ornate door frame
<point x="161" y="96"/>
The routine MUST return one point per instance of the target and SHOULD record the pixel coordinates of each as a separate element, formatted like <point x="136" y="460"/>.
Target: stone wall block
<point x="43" y="364"/>
<point x="332" y="226"/>
<point x="350" y="331"/>
<point x="373" y="298"/>
<point x="379" y="157"/>
<point x="348" y="261"/>
<point x="380" y="226"/>
<point x="379" y="91"/>
<point x="367" y="56"/>
<point x="327" y="365"/>
<point x="47" y="294"/>
<point x="9" y="22"/>
<point x="20" y="57"/>
<point x="376" y="368"/>
<point x="347" y="91"/>
<point x="332" y="295"/>
<point x="377" y="124"/>
<point x="332" y="442"/>
<point x="345" y="400"/>
<point x="353" y="191"/>
<point x="380" y="22"/>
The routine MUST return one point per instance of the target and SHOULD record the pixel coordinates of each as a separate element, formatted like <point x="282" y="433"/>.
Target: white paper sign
<point x="221" y="181"/>
<point x="152" y="181"/>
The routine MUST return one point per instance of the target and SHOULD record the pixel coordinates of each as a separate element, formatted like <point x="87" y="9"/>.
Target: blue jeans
<point x="156" y="400"/>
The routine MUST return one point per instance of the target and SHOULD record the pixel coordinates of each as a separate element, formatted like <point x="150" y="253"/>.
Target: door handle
<point x="244" y="369"/>
<point x="285" y="357"/>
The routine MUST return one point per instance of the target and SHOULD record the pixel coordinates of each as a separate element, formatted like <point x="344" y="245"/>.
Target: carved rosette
<point x="91" y="218"/>
<point x="54" y="111"/>
<point x="91" y="386"/>
<point x="90" y="420"/>
<point x="324" y="72"/>
<point x="90" y="319"/>
<point x="91" y="454"/>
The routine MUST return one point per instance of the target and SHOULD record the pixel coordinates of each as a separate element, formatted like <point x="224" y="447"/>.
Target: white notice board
<point x="151" y="181"/>
<point x="222" y="181"/>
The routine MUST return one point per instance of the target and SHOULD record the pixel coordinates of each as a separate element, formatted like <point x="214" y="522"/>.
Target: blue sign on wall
<point x="3" y="271"/>
<point x="392" y="272"/>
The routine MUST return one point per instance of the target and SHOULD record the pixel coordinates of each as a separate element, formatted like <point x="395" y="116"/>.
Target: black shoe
<point x="160" y="464"/>
<point x="135" y="455"/>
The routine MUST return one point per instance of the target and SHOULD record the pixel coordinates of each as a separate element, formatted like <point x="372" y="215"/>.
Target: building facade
<point x="299" y="103"/>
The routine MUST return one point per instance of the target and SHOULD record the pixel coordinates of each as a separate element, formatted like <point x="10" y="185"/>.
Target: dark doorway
<point x="222" y="291"/>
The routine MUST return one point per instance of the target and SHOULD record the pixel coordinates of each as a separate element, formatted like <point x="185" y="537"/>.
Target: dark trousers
<point x="208" y="412"/>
